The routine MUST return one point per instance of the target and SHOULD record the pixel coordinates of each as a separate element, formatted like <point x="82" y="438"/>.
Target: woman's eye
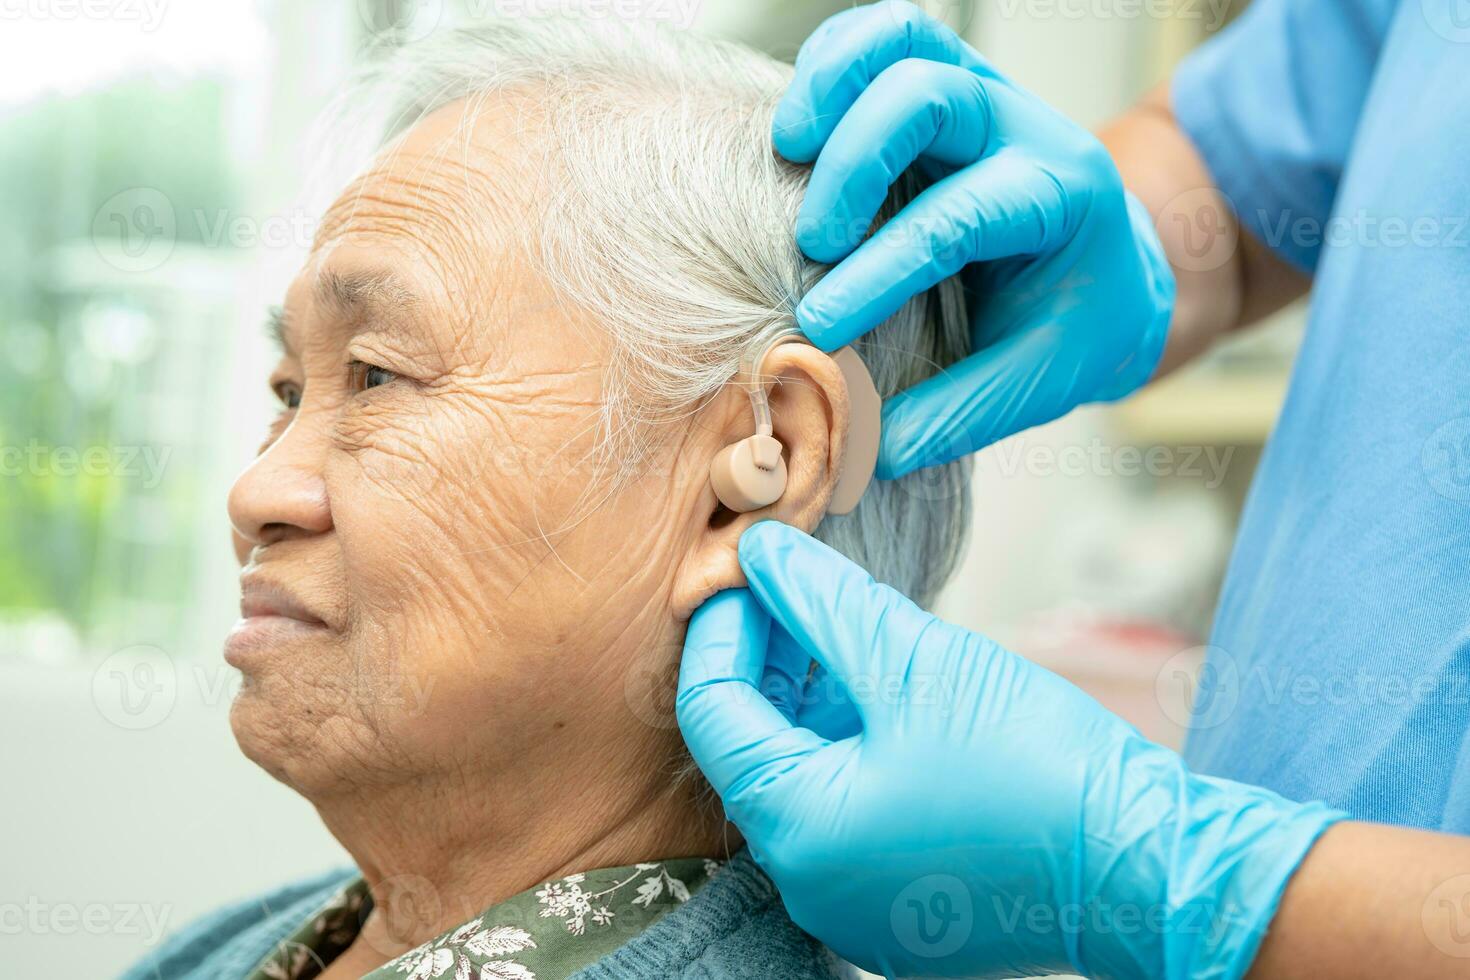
<point x="365" y="376"/>
<point x="289" y="394"/>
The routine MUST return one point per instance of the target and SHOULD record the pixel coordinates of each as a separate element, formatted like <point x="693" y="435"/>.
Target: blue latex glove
<point x="989" y="819"/>
<point x="1071" y="300"/>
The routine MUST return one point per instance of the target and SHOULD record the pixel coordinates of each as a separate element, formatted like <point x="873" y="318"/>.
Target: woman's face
<point x="436" y="579"/>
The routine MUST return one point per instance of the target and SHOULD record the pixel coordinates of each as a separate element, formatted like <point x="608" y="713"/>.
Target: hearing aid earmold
<point x="751" y="474"/>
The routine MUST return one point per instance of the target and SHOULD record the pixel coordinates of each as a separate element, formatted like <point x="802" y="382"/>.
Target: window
<point x="144" y="156"/>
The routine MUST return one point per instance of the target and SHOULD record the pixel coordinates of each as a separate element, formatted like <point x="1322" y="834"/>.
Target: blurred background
<point x="151" y="156"/>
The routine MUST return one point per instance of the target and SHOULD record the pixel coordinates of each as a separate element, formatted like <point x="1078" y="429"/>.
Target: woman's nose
<point x="282" y="494"/>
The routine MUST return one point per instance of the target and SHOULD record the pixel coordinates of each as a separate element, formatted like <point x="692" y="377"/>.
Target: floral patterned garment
<point x="544" y="933"/>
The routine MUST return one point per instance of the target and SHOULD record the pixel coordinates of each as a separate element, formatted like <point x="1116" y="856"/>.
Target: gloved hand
<point x="989" y="819"/>
<point x="1071" y="299"/>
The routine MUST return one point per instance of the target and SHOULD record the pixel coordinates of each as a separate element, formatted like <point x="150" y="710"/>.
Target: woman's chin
<point x="262" y="737"/>
<point x="286" y="740"/>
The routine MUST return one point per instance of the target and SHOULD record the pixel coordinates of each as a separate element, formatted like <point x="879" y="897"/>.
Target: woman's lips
<point x="260" y="596"/>
<point x="270" y="615"/>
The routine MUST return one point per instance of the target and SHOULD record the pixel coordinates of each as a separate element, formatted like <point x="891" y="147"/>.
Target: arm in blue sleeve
<point x="1273" y="103"/>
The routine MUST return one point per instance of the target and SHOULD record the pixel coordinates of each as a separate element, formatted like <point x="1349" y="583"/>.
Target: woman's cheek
<point x="419" y="520"/>
<point x="391" y="438"/>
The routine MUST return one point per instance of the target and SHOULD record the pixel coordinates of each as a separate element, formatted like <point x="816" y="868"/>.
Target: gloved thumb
<point x="735" y="734"/>
<point x="859" y="630"/>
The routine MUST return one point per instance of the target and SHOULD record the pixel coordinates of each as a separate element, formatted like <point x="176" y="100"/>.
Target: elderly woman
<point x="483" y="517"/>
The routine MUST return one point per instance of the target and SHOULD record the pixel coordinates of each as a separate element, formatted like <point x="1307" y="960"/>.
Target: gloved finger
<point x="861" y="631"/>
<point x="1022" y="381"/>
<point x="784" y="679"/>
<point x="843" y="57"/>
<point x="827" y="708"/>
<point x="819" y="703"/>
<point x="736" y="736"/>
<point x="1003" y="206"/>
<point x="915" y="107"/>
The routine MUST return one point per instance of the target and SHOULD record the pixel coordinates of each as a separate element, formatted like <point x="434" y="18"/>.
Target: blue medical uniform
<point x="1340" y="130"/>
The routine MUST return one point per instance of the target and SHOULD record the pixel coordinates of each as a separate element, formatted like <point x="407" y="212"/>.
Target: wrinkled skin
<point x="474" y="716"/>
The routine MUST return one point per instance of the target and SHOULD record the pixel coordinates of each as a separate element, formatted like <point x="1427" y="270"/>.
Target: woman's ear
<point x="810" y="414"/>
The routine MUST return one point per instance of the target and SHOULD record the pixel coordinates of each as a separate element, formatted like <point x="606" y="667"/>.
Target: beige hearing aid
<point x="751" y="473"/>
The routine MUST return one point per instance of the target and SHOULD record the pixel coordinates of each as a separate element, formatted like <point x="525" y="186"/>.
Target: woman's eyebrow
<point x="277" y="329"/>
<point x="378" y="297"/>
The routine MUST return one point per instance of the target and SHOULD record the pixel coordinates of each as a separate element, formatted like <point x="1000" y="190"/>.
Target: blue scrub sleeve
<point x="1273" y="102"/>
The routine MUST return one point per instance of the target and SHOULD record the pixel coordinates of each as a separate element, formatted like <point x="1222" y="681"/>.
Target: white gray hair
<point x="673" y="221"/>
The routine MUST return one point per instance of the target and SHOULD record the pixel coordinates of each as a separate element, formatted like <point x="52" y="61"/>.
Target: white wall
<point x="112" y="831"/>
